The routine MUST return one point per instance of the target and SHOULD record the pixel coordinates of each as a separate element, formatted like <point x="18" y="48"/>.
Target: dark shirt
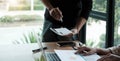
<point x="71" y="10"/>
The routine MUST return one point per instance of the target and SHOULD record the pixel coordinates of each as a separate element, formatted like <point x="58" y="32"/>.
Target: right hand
<point x="85" y="50"/>
<point x="74" y="31"/>
<point x="56" y="13"/>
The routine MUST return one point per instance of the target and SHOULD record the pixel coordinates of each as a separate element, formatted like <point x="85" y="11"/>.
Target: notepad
<point x="93" y="57"/>
<point x="61" y="31"/>
<point x="69" y="55"/>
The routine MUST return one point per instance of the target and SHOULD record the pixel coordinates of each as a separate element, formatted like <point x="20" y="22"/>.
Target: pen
<point x="39" y="49"/>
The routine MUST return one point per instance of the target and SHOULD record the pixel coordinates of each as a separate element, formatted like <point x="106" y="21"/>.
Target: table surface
<point x="23" y="52"/>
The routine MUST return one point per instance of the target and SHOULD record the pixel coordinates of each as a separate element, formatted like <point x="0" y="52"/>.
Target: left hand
<point x="110" y="57"/>
<point x="74" y="31"/>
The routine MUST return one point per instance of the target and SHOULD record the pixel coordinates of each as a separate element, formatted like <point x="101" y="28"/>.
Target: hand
<point x="56" y="13"/>
<point x="75" y="31"/>
<point x="110" y="57"/>
<point x="85" y="51"/>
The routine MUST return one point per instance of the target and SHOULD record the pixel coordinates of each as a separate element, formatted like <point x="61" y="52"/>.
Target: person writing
<point x="71" y="14"/>
<point x="109" y="54"/>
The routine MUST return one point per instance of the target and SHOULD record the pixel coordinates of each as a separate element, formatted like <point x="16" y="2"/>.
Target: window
<point x="20" y="21"/>
<point x="95" y="33"/>
<point x="38" y="5"/>
<point x="99" y="5"/>
<point x="3" y="5"/>
<point x="96" y="25"/>
<point x="117" y="23"/>
<point x="19" y="5"/>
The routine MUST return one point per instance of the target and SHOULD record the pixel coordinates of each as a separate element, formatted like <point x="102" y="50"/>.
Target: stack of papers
<point x="69" y="55"/>
<point x="61" y="31"/>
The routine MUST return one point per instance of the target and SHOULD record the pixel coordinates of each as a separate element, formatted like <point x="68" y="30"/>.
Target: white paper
<point x="61" y="31"/>
<point x="93" y="57"/>
<point x="69" y="55"/>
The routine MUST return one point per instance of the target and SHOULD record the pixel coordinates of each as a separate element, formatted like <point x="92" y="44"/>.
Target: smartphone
<point x="65" y="44"/>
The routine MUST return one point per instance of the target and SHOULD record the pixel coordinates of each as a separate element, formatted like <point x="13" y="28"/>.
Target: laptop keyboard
<point x="51" y="56"/>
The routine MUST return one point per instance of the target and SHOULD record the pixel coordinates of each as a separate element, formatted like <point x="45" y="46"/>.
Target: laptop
<point x="49" y="56"/>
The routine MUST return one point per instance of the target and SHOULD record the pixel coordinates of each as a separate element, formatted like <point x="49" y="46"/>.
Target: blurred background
<point x="21" y="20"/>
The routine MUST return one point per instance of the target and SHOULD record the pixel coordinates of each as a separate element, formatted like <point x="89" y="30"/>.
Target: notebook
<point x="61" y="31"/>
<point x="68" y="55"/>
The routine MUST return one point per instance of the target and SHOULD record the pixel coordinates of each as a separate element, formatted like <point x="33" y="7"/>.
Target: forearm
<point x="115" y="50"/>
<point x="80" y="23"/>
<point x="47" y="4"/>
<point x="101" y="51"/>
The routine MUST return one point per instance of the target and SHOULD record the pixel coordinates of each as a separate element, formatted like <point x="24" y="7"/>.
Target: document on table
<point x="93" y="57"/>
<point x="61" y="31"/>
<point x="68" y="55"/>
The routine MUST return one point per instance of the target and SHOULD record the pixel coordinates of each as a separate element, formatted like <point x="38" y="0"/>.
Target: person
<point x="109" y="54"/>
<point x="71" y="14"/>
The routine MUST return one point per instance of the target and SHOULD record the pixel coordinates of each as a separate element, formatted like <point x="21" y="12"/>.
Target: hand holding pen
<point x="56" y="13"/>
<point x="83" y="50"/>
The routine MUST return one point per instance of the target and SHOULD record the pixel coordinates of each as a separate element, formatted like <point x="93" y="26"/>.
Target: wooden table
<point x="53" y="45"/>
<point x="23" y="52"/>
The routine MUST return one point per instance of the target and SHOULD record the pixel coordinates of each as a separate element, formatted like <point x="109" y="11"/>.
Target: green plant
<point x="92" y="43"/>
<point x="38" y="7"/>
<point x="89" y="43"/>
<point x="28" y="17"/>
<point x="116" y="39"/>
<point x="6" y="19"/>
<point x="31" y="37"/>
<point x="41" y="57"/>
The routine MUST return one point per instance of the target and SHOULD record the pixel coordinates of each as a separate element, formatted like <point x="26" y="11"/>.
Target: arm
<point x="115" y="56"/>
<point x="115" y="50"/>
<point x="54" y="12"/>
<point x="102" y="51"/>
<point x="110" y="57"/>
<point x="83" y="16"/>
<point x="112" y="50"/>
<point x="89" y="51"/>
<point x="79" y="25"/>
